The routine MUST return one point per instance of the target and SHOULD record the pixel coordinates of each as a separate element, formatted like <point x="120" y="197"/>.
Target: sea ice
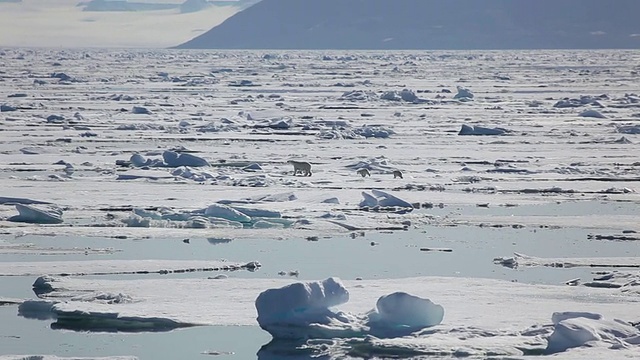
<point x="374" y="131"/>
<point x="544" y="137"/>
<point x="463" y="94"/>
<point x="479" y="130"/>
<point x="377" y="164"/>
<point x="226" y="212"/>
<point x="217" y="215"/>
<point x="520" y="259"/>
<point x="110" y="267"/>
<point x="174" y="159"/>
<point x="628" y="129"/>
<point x="305" y="311"/>
<point x="36" y="215"/>
<point x="140" y="110"/>
<point x="592" y="114"/>
<point x="169" y="159"/>
<point x="13" y="200"/>
<point x="195" y="175"/>
<point x="403" y="309"/>
<point x="287" y="312"/>
<point x="586" y="329"/>
<point x="383" y="199"/>
<point x="302" y="310"/>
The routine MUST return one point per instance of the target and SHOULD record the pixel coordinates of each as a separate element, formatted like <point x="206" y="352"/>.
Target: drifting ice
<point x="302" y="311"/>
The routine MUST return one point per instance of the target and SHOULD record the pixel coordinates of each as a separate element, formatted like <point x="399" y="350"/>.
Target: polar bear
<point x="364" y="172"/>
<point x="397" y="174"/>
<point x="302" y="167"/>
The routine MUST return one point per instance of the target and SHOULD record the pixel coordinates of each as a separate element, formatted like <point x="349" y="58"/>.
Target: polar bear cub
<point x="364" y="172"/>
<point x="397" y="174"/>
<point x="302" y="167"/>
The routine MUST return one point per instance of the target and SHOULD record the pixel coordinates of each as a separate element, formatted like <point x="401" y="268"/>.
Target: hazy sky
<point x="61" y="23"/>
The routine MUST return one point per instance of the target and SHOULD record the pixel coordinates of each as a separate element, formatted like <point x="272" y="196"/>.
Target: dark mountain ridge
<point x="428" y="24"/>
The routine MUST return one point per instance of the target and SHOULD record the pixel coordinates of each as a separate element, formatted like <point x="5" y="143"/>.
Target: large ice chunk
<point x="480" y="130"/>
<point x="575" y="329"/>
<point x="401" y="310"/>
<point x="226" y="212"/>
<point x="35" y="215"/>
<point x="300" y="303"/>
<point x="463" y="94"/>
<point x="174" y="159"/>
<point x="302" y="311"/>
<point x="384" y="199"/>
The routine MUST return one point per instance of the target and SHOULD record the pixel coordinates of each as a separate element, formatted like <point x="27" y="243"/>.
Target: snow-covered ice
<point x="167" y="144"/>
<point x="32" y="214"/>
<point x="572" y="330"/>
<point x="106" y="267"/>
<point x="482" y="317"/>
<point x="304" y="310"/>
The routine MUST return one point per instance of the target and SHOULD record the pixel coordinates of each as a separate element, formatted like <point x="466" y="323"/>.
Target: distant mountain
<point x="428" y="24"/>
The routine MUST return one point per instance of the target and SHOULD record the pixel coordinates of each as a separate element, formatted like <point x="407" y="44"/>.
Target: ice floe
<point x="37" y="215"/>
<point x="587" y="331"/>
<point x="72" y="148"/>
<point x="32" y="249"/>
<point x="217" y="215"/>
<point x="505" y="318"/>
<point x="379" y="198"/>
<point x="463" y="94"/>
<point x="110" y="267"/>
<point x="169" y="159"/>
<point x="525" y="260"/>
<point x="480" y="130"/>
<point x="303" y="310"/>
<point x="572" y="330"/>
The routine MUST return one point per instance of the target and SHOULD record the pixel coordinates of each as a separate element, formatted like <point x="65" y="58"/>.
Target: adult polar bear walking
<point x="302" y="167"/>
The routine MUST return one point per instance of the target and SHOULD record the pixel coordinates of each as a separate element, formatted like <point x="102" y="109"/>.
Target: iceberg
<point x="258" y="212"/>
<point x="405" y="313"/>
<point x="300" y="304"/>
<point x="303" y="311"/>
<point x="368" y="201"/>
<point x="463" y="94"/>
<point x="576" y="329"/>
<point x="33" y="215"/>
<point x="226" y="212"/>
<point x="174" y="159"/>
<point x="169" y="159"/>
<point x="138" y="160"/>
<point x="479" y="130"/>
<point x="592" y="114"/>
<point x="383" y="199"/>
<point x="217" y="215"/>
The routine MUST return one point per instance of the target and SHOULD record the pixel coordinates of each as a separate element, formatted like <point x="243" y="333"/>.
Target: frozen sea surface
<point x="148" y="169"/>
